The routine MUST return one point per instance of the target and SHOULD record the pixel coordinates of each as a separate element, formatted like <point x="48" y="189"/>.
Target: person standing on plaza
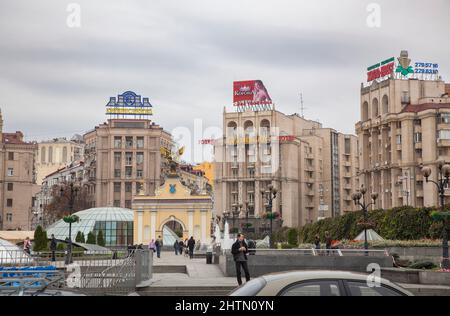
<point x="328" y="242"/>
<point x="53" y="245"/>
<point x="239" y="251"/>
<point x="317" y="242"/>
<point x="152" y="246"/>
<point x="191" y="246"/>
<point x="27" y="245"/>
<point x="176" y="246"/>
<point x="158" y="246"/>
<point x="186" y="249"/>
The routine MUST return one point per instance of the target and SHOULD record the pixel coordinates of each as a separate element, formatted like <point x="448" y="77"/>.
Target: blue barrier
<point x="31" y="272"/>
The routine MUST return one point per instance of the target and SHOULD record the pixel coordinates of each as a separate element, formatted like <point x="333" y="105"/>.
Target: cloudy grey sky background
<point x="184" y="55"/>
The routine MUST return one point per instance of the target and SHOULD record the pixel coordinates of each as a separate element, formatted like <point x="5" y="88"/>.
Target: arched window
<point x="265" y="127"/>
<point x="365" y="111"/>
<point x="375" y="110"/>
<point x="385" y="104"/>
<point x="43" y="151"/>
<point x="248" y="127"/>
<point x="50" y="154"/>
<point x="64" y="154"/>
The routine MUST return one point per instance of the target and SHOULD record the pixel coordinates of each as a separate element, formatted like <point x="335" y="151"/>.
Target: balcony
<point x="234" y="165"/>
<point x="418" y="145"/>
<point x="443" y="142"/>
<point x="309" y="205"/>
<point x="347" y="175"/>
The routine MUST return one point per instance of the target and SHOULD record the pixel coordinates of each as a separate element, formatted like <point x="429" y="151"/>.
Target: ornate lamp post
<point x="70" y="219"/>
<point x="357" y="197"/>
<point x="441" y="183"/>
<point x="269" y="195"/>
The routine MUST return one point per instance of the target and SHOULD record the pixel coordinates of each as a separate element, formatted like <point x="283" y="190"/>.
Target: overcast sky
<point x="184" y="55"/>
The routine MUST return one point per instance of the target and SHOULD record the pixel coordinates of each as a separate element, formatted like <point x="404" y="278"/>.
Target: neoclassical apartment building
<point x="405" y="123"/>
<point x="313" y="168"/>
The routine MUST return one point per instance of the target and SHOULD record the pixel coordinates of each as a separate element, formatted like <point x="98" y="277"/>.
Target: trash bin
<point x="209" y="256"/>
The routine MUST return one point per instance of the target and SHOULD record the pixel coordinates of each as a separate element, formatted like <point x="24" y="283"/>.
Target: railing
<point x="94" y="272"/>
<point x="322" y="252"/>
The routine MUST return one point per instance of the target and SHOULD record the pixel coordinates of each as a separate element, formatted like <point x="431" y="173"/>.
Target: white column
<point x="191" y="222"/>
<point x="140" y="215"/>
<point x="153" y="224"/>
<point x="204" y="237"/>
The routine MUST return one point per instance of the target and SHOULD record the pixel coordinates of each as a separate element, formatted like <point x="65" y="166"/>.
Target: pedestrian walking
<point x="328" y="242"/>
<point x="317" y="242"/>
<point x="239" y="251"/>
<point x="180" y="246"/>
<point x="158" y="245"/>
<point x="27" y="245"/>
<point x="191" y="246"/>
<point x="152" y="246"/>
<point x="186" y="249"/>
<point x="53" y="245"/>
<point x="176" y="246"/>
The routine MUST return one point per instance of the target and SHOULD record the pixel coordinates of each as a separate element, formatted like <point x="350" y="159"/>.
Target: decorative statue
<point x="172" y="157"/>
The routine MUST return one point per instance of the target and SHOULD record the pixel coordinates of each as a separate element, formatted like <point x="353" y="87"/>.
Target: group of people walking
<point x="187" y="247"/>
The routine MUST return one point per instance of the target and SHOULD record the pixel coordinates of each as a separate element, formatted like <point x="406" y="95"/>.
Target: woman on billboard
<point x="260" y="93"/>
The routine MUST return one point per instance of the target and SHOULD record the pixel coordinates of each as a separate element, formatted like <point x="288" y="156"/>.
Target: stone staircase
<point x="186" y="291"/>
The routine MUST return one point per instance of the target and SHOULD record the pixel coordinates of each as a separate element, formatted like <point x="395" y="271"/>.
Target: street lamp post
<point x="441" y="183"/>
<point x="357" y="197"/>
<point x="235" y="213"/>
<point x="70" y="219"/>
<point x="272" y="194"/>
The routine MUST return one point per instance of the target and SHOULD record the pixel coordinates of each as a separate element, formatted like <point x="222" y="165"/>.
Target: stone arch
<point x="170" y="219"/>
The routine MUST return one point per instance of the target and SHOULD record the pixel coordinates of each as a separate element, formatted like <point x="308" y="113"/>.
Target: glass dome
<point x="12" y="254"/>
<point x="115" y="223"/>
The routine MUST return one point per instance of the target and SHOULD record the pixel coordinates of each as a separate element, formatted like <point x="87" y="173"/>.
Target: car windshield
<point x="251" y="288"/>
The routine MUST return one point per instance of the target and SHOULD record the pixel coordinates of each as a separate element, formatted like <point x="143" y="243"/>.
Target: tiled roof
<point x="415" y="108"/>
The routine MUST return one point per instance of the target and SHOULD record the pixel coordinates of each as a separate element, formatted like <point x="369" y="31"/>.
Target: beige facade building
<point x="313" y="168"/>
<point x="120" y="156"/>
<point x="17" y="180"/>
<point x="55" y="154"/>
<point x="405" y="123"/>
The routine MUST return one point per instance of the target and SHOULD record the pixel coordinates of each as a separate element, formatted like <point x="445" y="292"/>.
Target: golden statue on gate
<point x="172" y="157"/>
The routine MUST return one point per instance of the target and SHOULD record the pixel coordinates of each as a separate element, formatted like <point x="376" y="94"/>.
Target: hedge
<point x="401" y="223"/>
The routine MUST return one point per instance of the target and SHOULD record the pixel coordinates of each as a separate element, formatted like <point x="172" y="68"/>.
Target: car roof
<point x="296" y="276"/>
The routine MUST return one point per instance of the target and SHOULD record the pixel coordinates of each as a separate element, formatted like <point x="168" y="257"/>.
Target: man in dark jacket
<point x="239" y="251"/>
<point x="53" y="246"/>
<point x="191" y="245"/>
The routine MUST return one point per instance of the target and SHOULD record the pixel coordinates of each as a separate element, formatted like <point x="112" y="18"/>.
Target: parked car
<point x="318" y="283"/>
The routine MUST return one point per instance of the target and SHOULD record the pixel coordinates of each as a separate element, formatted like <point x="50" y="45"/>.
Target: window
<point x="347" y="146"/>
<point x="50" y="154"/>
<point x="417" y="137"/>
<point x="10" y="186"/>
<point x="234" y="187"/>
<point x="139" y="174"/>
<point x="9" y="217"/>
<point x="10" y="155"/>
<point x="313" y="288"/>
<point x="251" y="198"/>
<point x="116" y="173"/>
<point x="399" y="139"/>
<point x="445" y="118"/>
<point x="139" y="158"/>
<point x="362" y="289"/>
<point x="117" y="187"/>
<point x="235" y="173"/>
<point x="43" y="155"/>
<point x="444" y="134"/>
<point x="128" y="142"/>
<point x="128" y="187"/>
<point x="128" y="158"/>
<point x="10" y="172"/>
<point x="140" y="142"/>
<point x="64" y="154"/>
<point x="251" y="172"/>
<point x="116" y="203"/>
<point x="117" y="158"/>
<point x="128" y="172"/>
<point x="9" y="202"/>
<point x="127" y="203"/>
<point x="117" y="142"/>
<point x="138" y="187"/>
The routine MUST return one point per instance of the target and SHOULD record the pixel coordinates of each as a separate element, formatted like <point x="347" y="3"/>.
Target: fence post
<point x="138" y="267"/>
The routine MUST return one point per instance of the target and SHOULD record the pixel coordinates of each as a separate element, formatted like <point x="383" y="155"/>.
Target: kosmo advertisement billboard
<point x="250" y="92"/>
